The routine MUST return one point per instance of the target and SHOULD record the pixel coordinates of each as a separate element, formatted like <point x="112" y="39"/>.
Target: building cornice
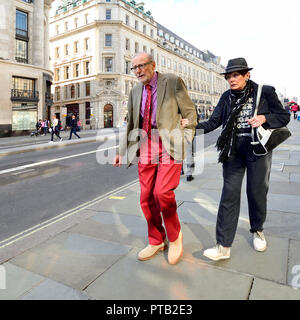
<point x="26" y="66"/>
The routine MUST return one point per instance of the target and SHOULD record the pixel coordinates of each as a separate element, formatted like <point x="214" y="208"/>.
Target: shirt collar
<point x="153" y="81"/>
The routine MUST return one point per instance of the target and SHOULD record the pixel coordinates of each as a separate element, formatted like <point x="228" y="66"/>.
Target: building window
<point x="57" y="29"/>
<point x="66" y="50"/>
<point x="86" y="18"/>
<point x="144" y="49"/>
<point x="127" y="20"/>
<point x="144" y="29"/>
<point x="57" y="53"/>
<point x="87" y="88"/>
<point x="24" y="86"/>
<point x="66" y="26"/>
<point x="76" y="46"/>
<point x="127" y="44"/>
<point x="21" y="37"/>
<point x="152" y="53"/>
<point x="87" y="68"/>
<point x="86" y="44"/>
<point x="108" y="14"/>
<point x="108" y="65"/>
<point x="72" y="91"/>
<point x="163" y="61"/>
<point x="136" y="47"/>
<point x="57" y="93"/>
<point x="76" y="23"/>
<point x="108" y="1"/>
<point x="56" y="74"/>
<point x="136" y="25"/>
<point x="21" y="23"/>
<point x="108" y="40"/>
<point x="21" y="51"/>
<point x="67" y="72"/>
<point x="127" y="67"/>
<point x="76" y="70"/>
<point x="169" y="64"/>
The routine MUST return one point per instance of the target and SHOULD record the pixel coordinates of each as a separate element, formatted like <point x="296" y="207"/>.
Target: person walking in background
<point x="294" y="109"/>
<point x="73" y="126"/>
<point x="235" y="111"/>
<point x="158" y="102"/>
<point x="78" y="125"/>
<point x="46" y="126"/>
<point x="55" y="128"/>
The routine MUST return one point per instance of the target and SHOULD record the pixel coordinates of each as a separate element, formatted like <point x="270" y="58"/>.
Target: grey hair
<point x="149" y="56"/>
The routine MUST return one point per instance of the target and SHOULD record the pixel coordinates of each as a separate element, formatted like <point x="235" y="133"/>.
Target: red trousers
<point x="159" y="175"/>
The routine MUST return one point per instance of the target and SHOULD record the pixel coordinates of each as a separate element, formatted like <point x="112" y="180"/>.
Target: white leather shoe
<point x="259" y="241"/>
<point x="217" y="253"/>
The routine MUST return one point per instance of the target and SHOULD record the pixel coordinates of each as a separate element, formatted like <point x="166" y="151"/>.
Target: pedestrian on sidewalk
<point x="156" y="105"/>
<point x="46" y="126"/>
<point x="235" y="111"/>
<point x="73" y="126"/>
<point x="295" y="108"/>
<point x="55" y="128"/>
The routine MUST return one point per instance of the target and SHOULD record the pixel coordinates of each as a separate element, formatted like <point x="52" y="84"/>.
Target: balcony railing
<point x="24" y="95"/>
<point x="21" y="60"/>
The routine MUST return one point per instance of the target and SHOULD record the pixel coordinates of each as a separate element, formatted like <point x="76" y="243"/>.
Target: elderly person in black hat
<point x="234" y="112"/>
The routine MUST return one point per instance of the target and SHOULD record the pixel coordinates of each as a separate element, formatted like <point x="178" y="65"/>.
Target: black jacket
<point x="73" y="123"/>
<point x="269" y="106"/>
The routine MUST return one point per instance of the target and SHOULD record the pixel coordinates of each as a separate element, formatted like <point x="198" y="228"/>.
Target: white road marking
<point x="29" y="170"/>
<point x="53" y="160"/>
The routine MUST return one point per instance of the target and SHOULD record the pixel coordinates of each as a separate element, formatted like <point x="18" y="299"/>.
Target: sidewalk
<point x="92" y="253"/>
<point x="20" y="144"/>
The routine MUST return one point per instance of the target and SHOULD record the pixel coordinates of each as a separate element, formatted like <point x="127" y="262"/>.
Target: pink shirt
<point x="153" y="84"/>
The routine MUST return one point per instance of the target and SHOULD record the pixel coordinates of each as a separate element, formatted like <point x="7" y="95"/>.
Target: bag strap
<point x="259" y="90"/>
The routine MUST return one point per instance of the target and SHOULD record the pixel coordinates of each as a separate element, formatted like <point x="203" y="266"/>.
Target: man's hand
<point x="184" y="123"/>
<point x="117" y="161"/>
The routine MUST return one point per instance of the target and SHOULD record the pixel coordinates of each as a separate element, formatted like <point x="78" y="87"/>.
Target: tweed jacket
<point x="173" y="104"/>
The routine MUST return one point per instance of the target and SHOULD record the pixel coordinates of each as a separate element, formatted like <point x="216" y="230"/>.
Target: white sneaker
<point x="259" y="241"/>
<point x="217" y="253"/>
<point x="61" y="139"/>
<point x="50" y="141"/>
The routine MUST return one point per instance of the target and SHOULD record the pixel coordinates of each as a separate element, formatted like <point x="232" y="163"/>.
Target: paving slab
<point x="268" y="290"/>
<point x="295" y="177"/>
<point x="283" y="202"/>
<point x="270" y="265"/>
<point x="284" y="187"/>
<point x="52" y="290"/>
<point x="71" y="259"/>
<point x="205" y="212"/>
<point x="118" y="228"/>
<point x="291" y="168"/>
<point x="294" y="264"/>
<point x="155" y="279"/>
<point x="18" y="281"/>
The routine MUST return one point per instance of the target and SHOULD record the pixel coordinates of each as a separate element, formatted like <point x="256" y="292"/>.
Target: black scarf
<point x="227" y="138"/>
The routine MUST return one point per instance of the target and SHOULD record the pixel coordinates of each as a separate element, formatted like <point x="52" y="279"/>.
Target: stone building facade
<point x="92" y="43"/>
<point x="25" y="73"/>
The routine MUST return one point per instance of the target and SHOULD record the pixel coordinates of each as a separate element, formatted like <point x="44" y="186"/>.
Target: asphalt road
<point x="72" y="177"/>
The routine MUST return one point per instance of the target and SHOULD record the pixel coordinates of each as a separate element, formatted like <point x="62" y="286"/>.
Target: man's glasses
<point x="140" y="66"/>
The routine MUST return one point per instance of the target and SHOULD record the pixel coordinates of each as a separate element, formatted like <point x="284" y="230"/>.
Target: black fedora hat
<point x="237" y="64"/>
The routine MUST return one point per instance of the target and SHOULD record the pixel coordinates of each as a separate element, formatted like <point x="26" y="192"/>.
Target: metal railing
<point x="26" y="95"/>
